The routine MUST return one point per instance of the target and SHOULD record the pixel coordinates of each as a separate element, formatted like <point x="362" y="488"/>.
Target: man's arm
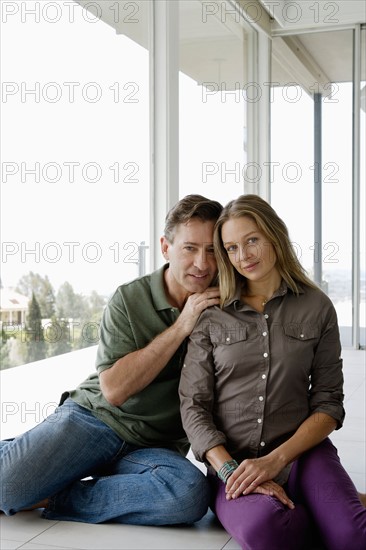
<point x="133" y="372"/>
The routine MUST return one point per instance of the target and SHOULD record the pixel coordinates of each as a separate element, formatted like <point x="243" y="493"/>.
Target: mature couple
<point x="249" y="370"/>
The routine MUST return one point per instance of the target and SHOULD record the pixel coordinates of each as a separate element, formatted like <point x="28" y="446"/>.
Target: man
<point x="114" y="450"/>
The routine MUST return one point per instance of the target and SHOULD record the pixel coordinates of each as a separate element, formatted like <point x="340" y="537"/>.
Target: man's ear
<point x="164" y="244"/>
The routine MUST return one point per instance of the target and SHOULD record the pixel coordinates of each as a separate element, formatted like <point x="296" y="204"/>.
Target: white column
<point x="264" y="116"/>
<point x="164" y="63"/>
<point x="258" y="112"/>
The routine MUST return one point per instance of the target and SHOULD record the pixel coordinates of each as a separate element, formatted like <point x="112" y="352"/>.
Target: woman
<point x="261" y="390"/>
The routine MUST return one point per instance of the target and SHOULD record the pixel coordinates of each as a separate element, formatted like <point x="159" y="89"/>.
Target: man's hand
<point x="133" y="372"/>
<point x="195" y="304"/>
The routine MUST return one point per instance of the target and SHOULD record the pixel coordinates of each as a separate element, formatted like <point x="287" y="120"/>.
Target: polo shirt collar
<point x="158" y="289"/>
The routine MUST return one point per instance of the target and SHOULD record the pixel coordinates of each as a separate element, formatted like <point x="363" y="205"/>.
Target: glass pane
<point x="294" y="170"/>
<point x="214" y="92"/>
<point x="75" y="162"/>
<point x="337" y="205"/>
<point x="291" y="175"/>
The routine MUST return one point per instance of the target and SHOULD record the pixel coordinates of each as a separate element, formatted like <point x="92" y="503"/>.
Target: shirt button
<point x="259" y="421"/>
<point x="184" y="365"/>
<point x="265" y="354"/>
<point x="260" y="397"/>
<point x="264" y="334"/>
<point x="301" y="336"/>
<point x="266" y="316"/>
<point x="264" y="376"/>
<point x="262" y="443"/>
<point x="228" y="339"/>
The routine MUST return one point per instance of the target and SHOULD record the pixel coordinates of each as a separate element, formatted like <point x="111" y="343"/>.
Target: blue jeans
<point x="126" y="483"/>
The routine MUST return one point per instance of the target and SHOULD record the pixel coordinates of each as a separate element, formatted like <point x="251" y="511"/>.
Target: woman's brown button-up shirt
<point x="250" y="379"/>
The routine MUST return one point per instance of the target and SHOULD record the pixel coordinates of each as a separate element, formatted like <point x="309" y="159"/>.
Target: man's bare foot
<point x="362" y="497"/>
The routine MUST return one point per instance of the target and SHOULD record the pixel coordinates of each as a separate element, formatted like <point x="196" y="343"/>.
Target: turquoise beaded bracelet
<point x="227" y="469"/>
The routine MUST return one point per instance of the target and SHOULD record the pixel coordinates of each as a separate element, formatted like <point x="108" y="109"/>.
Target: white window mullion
<point x="356" y="270"/>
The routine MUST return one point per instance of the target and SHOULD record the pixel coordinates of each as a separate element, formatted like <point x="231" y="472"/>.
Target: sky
<point x="87" y="144"/>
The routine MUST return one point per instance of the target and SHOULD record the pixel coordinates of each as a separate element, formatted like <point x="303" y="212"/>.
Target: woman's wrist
<point x="216" y="456"/>
<point x="227" y="469"/>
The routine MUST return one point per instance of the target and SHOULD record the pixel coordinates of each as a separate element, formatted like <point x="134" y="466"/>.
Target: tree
<point x="43" y="290"/>
<point x="96" y="303"/>
<point x="36" y="345"/>
<point x="59" y="339"/>
<point x="69" y="304"/>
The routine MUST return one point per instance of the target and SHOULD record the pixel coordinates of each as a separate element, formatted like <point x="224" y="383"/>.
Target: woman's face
<point x="252" y="255"/>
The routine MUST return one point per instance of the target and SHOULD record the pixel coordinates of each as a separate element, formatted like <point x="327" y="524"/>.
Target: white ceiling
<point x="216" y="51"/>
<point x="289" y="15"/>
<point x="319" y="36"/>
<point x="327" y="55"/>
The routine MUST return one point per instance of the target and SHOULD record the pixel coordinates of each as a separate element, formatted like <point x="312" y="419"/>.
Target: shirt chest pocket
<point x="301" y="332"/>
<point x="227" y="336"/>
<point x="300" y="343"/>
<point x="229" y="347"/>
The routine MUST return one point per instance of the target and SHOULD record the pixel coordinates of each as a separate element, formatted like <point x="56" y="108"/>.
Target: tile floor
<point x="27" y="531"/>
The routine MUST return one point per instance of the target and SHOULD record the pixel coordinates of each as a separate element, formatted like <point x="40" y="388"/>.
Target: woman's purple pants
<point x="326" y="502"/>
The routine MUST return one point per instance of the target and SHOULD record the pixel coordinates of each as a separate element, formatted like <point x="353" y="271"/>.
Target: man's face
<point x="192" y="264"/>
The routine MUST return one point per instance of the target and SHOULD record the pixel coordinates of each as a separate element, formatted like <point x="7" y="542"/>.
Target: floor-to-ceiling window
<point x="75" y="164"/>
<point x="292" y="166"/>
<point x="312" y="163"/>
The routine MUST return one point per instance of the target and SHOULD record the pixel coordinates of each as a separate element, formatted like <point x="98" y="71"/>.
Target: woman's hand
<point x="252" y="473"/>
<point x="271" y="488"/>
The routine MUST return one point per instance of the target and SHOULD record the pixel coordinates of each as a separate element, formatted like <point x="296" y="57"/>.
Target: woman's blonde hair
<point x="275" y="231"/>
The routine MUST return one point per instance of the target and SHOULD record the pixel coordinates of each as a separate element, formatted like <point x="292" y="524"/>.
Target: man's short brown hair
<point x="191" y="206"/>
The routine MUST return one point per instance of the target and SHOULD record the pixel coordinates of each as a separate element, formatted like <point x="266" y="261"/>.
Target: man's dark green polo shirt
<point x="136" y="313"/>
